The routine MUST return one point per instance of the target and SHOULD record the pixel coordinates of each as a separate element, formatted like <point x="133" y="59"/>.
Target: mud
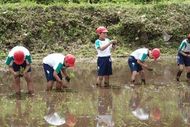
<point x="162" y="102"/>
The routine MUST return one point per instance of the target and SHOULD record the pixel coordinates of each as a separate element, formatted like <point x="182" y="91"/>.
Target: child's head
<point x="154" y="54"/>
<point x="69" y="60"/>
<point x="102" y="32"/>
<point x="19" y="57"/>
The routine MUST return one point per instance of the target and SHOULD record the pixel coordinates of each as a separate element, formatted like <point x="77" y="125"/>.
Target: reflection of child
<point x="137" y="106"/>
<point x="54" y="66"/>
<point x="183" y="57"/>
<point x="19" y="62"/>
<point x="103" y="46"/>
<point x="183" y="105"/>
<point x="104" y="117"/>
<point x="136" y="62"/>
<point x="141" y="109"/>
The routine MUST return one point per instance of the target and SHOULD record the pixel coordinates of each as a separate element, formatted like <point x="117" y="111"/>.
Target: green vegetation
<point x="88" y="1"/>
<point x="71" y="28"/>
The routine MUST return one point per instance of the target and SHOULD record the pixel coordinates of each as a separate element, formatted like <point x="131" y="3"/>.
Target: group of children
<point x="19" y="62"/>
<point x="135" y="61"/>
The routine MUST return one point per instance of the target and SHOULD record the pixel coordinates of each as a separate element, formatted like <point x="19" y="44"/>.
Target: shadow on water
<point x="161" y="103"/>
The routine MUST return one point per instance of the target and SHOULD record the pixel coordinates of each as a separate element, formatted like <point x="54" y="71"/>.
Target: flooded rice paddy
<point x="162" y="102"/>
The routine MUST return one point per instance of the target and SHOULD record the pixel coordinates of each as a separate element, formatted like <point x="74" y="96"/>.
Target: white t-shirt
<point x="140" y="54"/>
<point x="106" y="52"/>
<point x="10" y="59"/>
<point x="185" y="46"/>
<point x="55" y="60"/>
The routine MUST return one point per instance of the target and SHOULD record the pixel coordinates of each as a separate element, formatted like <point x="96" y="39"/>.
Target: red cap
<point x="156" y="53"/>
<point x="19" y="57"/>
<point x="188" y="37"/>
<point x="156" y="114"/>
<point x="70" y="60"/>
<point x="101" y="29"/>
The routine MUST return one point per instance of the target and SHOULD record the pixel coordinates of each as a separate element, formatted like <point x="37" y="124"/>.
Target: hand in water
<point x="67" y="79"/>
<point x="150" y="69"/>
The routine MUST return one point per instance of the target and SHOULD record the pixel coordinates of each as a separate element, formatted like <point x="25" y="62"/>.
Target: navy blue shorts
<point x="183" y="60"/>
<point x="21" y="67"/>
<point x="49" y="73"/>
<point x="133" y="65"/>
<point x="104" y="66"/>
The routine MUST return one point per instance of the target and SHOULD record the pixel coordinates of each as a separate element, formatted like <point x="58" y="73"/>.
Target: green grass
<point x="27" y="3"/>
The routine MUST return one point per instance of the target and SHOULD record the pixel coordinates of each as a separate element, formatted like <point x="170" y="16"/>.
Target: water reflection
<point x="55" y="115"/>
<point x="20" y="115"/>
<point x="138" y="104"/>
<point x="104" y="117"/>
<point x="184" y="105"/>
<point x="161" y="102"/>
<point x="52" y="116"/>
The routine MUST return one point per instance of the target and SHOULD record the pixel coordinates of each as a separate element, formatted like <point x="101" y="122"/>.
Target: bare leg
<point x="28" y="79"/>
<point x="58" y="86"/>
<point x="142" y="77"/>
<point x="181" y="66"/>
<point x="133" y="77"/>
<point x="49" y="85"/>
<point x="16" y="84"/>
<point x="106" y="81"/>
<point x="99" y="81"/>
<point x="188" y="73"/>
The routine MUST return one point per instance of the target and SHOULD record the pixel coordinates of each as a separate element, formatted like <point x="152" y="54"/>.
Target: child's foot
<point x="64" y="87"/>
<point x="58" y="89"/>
<point x="106" y="85"/>
<point x="177" y="79"/>
<point x="18" y="93"/>
<point x="143" y="82"/>
<point x="131" y="85"/>
<point x="31" y="93"/>
<point x="98" y="85"/>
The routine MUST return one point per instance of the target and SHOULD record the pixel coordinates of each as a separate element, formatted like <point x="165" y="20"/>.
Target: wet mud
<point x="162" y="102"/>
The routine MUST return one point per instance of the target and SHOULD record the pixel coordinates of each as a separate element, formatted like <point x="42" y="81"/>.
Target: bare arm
<point x="55" y="75"/>
<point x="67" y="78"/>
<point x="64" y="72"/>
<point x="12" y="71"/>
<point x="107" y="45"/>
<point x="184" y="54"/>
<point x="144" y="65"/>
<point x="27" y="68"/>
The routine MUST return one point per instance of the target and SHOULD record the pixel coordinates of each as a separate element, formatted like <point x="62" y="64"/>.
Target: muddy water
<point x="161" y="103"/>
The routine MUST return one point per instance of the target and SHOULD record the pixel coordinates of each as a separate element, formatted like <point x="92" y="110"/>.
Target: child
<point x="54" y="65"/>
<point x="19" y="62"/>
<point x="136" y="62"/>
<point x="183" y="57"/>
<point x="103" y="46"/>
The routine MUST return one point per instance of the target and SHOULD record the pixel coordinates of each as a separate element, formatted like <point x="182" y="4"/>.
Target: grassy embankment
<point x="71" y="27"/>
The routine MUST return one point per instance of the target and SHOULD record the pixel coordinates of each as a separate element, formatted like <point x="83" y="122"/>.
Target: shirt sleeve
<point x="58" y="67"/>
<point x="97" y="44"/>
<point x="28" y="59"/>
<point x="182" y="46"/>
<point x="143" y="57"/>
<point x="9" y="60"/>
